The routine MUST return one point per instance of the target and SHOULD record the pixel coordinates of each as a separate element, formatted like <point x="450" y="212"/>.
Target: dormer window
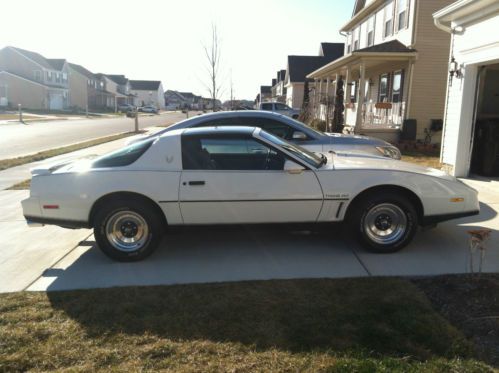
<point x="402" y="14"/>
<point x="388" y="24"/>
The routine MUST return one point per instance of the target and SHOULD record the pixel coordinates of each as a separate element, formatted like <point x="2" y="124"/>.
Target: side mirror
<point x="293" y="167"/>
<point x="298" y="135"/>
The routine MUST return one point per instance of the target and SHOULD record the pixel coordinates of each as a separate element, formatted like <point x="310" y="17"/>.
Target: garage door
<point x="55" y="101"/>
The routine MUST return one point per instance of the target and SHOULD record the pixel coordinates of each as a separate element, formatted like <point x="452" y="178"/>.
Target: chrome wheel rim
<point x="127" y="231"/>
<point x="385" y="223"/>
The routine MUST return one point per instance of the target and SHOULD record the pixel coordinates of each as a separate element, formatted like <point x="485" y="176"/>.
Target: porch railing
<point x="383" y="114"/>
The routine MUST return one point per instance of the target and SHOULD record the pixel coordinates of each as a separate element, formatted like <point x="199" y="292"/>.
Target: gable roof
<point x="39" y="59"/>
<point x="56" y="63"/>
<point x="300" y="66"/>
<point x="145" y="85"/>
<point x="118" y="79"/>
<point x="265" y="89"/>
<point x="281" y="75"/>
<point x="82" y="70"/>
<point x="332" y="50"/>
<point x="359" y="4"/>
<point x="392" y="46"/>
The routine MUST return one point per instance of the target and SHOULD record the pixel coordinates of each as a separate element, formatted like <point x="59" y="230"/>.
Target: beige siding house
<point x="394" y="69"/>
<point x="21" y="68"/>
<point x="148" y="93"/>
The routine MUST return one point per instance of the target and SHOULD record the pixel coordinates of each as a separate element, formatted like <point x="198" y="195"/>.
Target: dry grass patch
<point x="281" y="326"/>
<point x="423" y="159"/>
<point x="13" y="162"/>
<point x="23" y="185"/>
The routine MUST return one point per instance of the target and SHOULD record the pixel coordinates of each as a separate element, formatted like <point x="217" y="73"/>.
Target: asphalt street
<point x="22" y="139"/>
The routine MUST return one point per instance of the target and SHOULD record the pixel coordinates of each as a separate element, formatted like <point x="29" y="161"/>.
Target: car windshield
<point x="301" y="124"/>
<point x="310" y="158"/>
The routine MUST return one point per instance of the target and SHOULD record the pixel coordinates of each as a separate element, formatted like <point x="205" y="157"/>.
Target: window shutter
<point x="402" y="78"/>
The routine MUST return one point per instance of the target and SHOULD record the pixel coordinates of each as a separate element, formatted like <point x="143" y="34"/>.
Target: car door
<point x="228" y="179"/>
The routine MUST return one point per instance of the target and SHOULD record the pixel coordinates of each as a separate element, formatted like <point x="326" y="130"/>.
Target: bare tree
<point x="231" y="92"/>
<point x="212" y="52"/>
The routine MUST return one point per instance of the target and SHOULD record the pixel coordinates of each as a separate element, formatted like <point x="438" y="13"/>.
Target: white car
<point x="239" y="175"/>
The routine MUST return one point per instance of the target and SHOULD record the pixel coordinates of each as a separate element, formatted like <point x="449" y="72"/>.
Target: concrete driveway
<point x="51" y="258"/>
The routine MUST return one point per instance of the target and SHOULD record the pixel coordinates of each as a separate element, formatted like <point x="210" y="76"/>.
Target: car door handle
<point x="197" y="182"/>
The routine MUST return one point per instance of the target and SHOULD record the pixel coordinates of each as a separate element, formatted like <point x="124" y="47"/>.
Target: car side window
<point x="267" y="106"/>
<point x="281" y="107"/>
<point x="220" y="122"/>
<point x="229" y="153"/>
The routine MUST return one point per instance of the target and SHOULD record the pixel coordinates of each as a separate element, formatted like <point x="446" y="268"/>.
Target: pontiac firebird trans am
<point x="240" y="175"/>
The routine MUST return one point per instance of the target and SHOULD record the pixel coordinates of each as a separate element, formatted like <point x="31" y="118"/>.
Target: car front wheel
<point x="127" y="230"/>
<point x="384" y="223"/>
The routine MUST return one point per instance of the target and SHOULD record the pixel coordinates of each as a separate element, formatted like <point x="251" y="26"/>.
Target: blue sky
<point x="162" y="40"/>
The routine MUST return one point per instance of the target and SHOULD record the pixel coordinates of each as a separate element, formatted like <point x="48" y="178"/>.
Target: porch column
<point x="319" y="98"/>
<point x="360" y="97"/>
<point x="408" y="89"/>
<point x="327" y="102"/>
<point x="347" y="86"/>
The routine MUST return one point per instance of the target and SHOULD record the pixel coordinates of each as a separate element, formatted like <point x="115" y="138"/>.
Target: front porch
<point x="369" y="90"/>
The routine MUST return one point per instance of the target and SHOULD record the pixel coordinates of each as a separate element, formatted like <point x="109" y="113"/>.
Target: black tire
<point x="143" y="213"/>
<point x="373" y="213"/>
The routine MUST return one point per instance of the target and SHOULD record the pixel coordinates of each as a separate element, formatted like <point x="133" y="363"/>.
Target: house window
<point x="356" y="35"/>
<point x="397" y="86"/>
<point x="402" y="14"/>
<point x="57" y="77"/>
<point x="38" y="75"/>
<point x="388" y="24"/>
<point x="64" y="77"/>
<point x="349" y="43"/>
<point x="383" y="87"/>
<point x="370" y="31"/>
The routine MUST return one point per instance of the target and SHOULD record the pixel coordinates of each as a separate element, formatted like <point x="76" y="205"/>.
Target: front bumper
<point x="434" y="219"/>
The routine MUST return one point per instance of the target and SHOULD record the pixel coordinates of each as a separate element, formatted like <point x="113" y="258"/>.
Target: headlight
<point x="389" y="151"/>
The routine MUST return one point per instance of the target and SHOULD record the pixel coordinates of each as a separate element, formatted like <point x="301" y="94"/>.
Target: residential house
<point x="264" y="95"/>
<point x="105" y="98"/>
<point x="120" y="87"/>
<point x="174" y="100"/>
<point x="148" y="93"/>
<point x="470" y="143"/>
<point x="394" y="71"/>
<point x="35" y="82"/>
<point x="300" y="66"/>
<point x="83" y="87"/>
<point x="278" y="88"/>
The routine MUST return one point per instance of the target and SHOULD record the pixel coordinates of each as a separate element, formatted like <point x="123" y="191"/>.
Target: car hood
<point x="357" y="139"/>
<point x="361" y="162"/>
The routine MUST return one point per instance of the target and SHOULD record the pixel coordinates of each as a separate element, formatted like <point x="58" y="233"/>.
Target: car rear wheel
<point x="127" y="230"/>
<point x="384" y="223"/>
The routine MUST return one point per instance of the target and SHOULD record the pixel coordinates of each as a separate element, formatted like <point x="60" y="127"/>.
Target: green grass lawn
<point x="351" y="325"/>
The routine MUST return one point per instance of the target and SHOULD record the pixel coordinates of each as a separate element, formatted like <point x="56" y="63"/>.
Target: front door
<point x="237" y="179"/>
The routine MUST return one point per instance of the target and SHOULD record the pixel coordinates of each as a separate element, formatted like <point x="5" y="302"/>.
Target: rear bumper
<point x="434" y="219"/>
<point x="38" y="221"/>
